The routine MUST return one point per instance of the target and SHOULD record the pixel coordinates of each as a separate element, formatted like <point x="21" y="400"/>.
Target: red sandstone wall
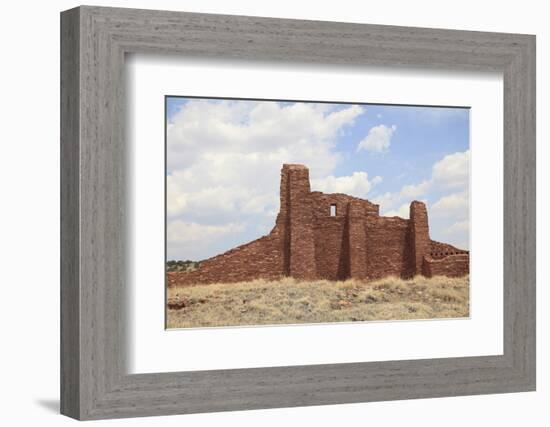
<point x="440" y="250"/>
<point x="357" y="240"/>
<point x="451" y="266"/>
<point x="333" y="234"/>
<point x="300" y="211"/>
<point x="308" y="243"/>
<point x="419" y="234"/>
<point x="331" y="251"/>
<point x="259" y="259"/>
<point x="387" y="247"/>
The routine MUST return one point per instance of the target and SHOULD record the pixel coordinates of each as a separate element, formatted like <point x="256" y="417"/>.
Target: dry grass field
<point x="288" y="301"/>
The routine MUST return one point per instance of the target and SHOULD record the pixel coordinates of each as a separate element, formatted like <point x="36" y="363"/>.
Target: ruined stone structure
<point x="334" y="237"/>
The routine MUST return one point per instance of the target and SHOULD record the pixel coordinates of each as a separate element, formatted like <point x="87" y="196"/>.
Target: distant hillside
<point x="179" y="265"/>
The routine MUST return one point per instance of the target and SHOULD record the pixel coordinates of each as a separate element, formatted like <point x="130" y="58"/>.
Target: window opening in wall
<point x="333" y="210"/>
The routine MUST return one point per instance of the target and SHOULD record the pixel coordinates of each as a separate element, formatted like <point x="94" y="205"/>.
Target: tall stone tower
<point x="296" y="219"/>
<point x="419" y="234"/>
<point x="357" y="240"/>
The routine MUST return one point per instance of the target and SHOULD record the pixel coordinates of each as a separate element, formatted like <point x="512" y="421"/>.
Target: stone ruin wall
<point x="308" y="243"/>
<point x="260" y="258"/>
<point x="451" y="266"/>
<point x="388" y="248"/>
<point x="445" y="260"/>
<point x="336" y="237"/>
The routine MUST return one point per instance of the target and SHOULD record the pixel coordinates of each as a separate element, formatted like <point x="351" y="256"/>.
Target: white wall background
<point x="29" y="224"/>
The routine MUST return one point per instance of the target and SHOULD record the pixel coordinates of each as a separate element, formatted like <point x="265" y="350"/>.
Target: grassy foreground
<point x="288" y="301"/>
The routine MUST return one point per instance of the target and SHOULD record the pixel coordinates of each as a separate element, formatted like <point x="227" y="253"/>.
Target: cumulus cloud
<point x="378" y="139"/>
<point x="450" y="218"/>
<point x="357" y="184"/>
<point x="458" y="233"/>
<point x="191" y="232"/>
<point x="224" y="160"/>
<point x="194" y="238"/>
<point x="449" y="214"/>
<point x="459" y="227"/>
<point x="403" y="211"/>
<point x="451" y="172"/>
<point x="389" y="201"/>
<point x="454" y="205"/>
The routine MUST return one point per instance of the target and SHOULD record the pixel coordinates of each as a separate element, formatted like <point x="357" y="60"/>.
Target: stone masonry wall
<point x="451" y="266"/>
<point x="302" y="239"/>
<point x="333" y="233"/>
<point x="260" y="258"/>
<point x="357" y="239"/>
<point x="420" y="237"/>
<point x="307" y="242"/>
<point x="388" y="253"/>
<point x="440" y="250"/>
<point x="331" y="249"/>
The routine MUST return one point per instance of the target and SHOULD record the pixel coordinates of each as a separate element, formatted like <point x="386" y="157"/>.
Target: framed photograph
<point x="255" y="241"/>
<point x="262" y="213"/>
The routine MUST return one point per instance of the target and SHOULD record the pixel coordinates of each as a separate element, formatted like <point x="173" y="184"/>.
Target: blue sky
<point x="224" y="159"/>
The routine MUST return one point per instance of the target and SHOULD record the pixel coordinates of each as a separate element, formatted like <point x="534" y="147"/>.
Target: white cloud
<point x="378" y="139"/>
<point x="458" y="234"/>
<point x="403" y="211"/>
<point x="449" y="179"/>
<point x="224" y="161"/>
<point x="357" y="184"/>
<point x="450" y="218"/>
<point x="453" y="171"/>
<point x="196" y="239"/>
<point x="454" y="205"/>
<point x="191" y="232"/>
<point x="459" y="227"/>
<point x="408" y="193"/>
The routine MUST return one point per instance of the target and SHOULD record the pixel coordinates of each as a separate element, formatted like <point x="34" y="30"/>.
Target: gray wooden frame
<point x="94" y="41"/>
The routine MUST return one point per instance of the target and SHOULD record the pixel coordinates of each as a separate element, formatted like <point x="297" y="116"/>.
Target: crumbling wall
<point x="440" y="250"/>
<point x="259" y="259"/>
<point x="451" y="266"/>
